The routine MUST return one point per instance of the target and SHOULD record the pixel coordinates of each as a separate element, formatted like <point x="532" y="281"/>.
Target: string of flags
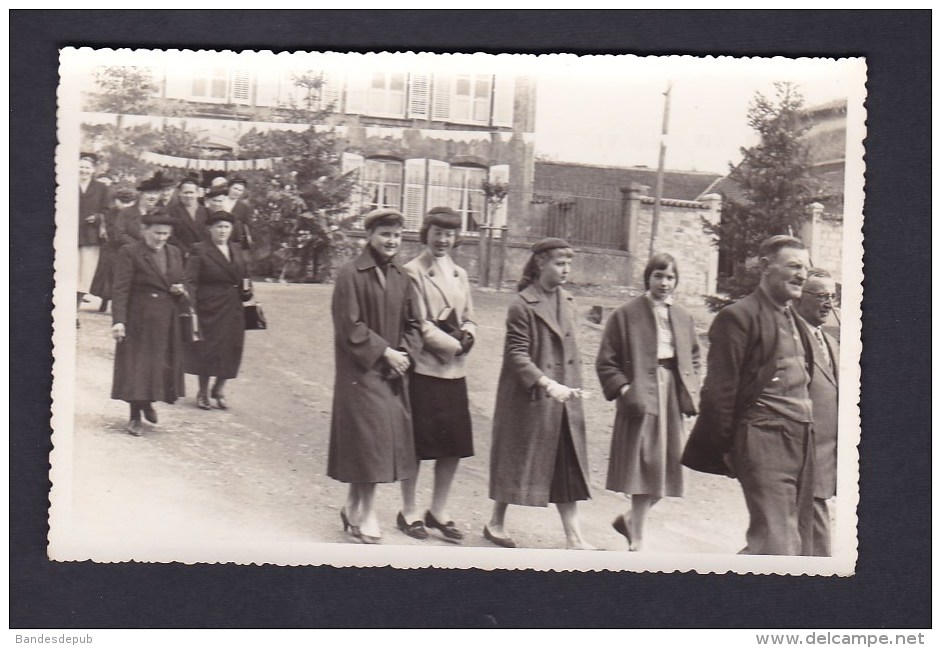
<point x="199" y="164"/>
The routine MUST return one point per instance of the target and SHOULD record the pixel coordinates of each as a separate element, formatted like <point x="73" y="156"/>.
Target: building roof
<point x="596" y="181"/>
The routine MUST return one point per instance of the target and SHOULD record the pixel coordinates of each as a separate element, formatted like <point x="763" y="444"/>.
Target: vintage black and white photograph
<point x="547" y="312"/>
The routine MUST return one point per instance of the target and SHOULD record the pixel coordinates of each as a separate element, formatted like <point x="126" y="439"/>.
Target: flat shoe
<point x="368" y="539"/>
<point x="202" y="402"/>
<point x="221" y="402"/>
<point x="449" y="529"/>
<point x="150" y="414"/>
<point x="500" y="542"/>
<point x="621" y="527"/>
<point x="413" y="530"/>
<point x="135" y="428"/>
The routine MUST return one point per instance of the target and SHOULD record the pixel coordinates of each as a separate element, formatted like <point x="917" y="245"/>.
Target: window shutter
<point x="441" y="103"/>
<point x="504" y="90"/>
<point x="499" y="173"/>
<point x="330" y="91"/>
<point x="357" y="88"/>
<point x="438" y="174"/>
<point x="241" y="87"/>
<point x="353" y="164"/>
<point x="418" y="96"/>
<point x="414" y="200"/>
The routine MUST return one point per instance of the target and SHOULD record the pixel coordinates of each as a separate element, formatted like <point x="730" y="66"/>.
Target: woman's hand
<point x="176" y="289"/>
<point x="118" y="333"/>
<point x="558" y="391"/>
<point x="624" y="390"/>
<point x="398" y="360"/>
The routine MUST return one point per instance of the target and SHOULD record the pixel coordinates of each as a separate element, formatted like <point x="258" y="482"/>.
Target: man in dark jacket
<point x="755" y="419"/>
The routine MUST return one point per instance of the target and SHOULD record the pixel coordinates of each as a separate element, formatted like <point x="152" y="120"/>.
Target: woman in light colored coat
<point x="440" y="411"/>
<point x="539" y="452"/>
<point x="648" y="362"/>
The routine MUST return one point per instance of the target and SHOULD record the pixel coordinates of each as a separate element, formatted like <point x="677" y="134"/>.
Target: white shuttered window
<point x="413" y="201"/>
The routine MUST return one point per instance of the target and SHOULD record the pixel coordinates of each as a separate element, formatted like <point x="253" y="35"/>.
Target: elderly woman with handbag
<point x="217" y="283"/>
<point x="539" y="452"/>
<point x="440" y="412"/>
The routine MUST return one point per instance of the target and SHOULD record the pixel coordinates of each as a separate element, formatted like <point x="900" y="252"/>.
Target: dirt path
<point x="255" y="474"/>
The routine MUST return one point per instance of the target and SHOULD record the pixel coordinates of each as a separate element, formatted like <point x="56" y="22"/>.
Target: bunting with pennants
<point x="199" y="164"/>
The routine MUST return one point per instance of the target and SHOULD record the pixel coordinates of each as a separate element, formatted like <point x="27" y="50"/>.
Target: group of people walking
<point x="176" y="278"/>
<point x="402" y="335"/>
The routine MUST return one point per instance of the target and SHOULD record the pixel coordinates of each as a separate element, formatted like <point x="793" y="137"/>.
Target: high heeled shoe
<point x="347" y="526"/>
<point x="622" y="526"/>
<point x="221" y="402"/>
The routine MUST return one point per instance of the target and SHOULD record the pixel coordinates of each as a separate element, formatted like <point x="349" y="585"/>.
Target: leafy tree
<point x="774" y="189"/>
<point x="124" y="89"/>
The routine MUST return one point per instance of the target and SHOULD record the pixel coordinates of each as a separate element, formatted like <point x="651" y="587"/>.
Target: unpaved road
<point x="254" y="474"/>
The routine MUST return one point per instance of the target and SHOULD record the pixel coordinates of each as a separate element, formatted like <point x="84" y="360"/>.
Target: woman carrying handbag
<point x="217" y="283"/>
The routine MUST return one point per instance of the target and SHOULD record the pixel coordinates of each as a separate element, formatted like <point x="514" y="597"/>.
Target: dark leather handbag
<point x="254" y="317"/>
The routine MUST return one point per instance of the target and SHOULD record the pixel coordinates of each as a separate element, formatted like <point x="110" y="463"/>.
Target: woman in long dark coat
<point x="376" y="336"/>
<point x="148" y="285"/>
<point x="539" y="452"/>
<point x="217" y="283"/>
<point x="648" y="362"/>
<point x="101" y="285"/>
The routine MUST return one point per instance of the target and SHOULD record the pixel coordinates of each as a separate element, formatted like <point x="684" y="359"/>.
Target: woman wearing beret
<point x="92" y="204"/>
<point x="539" y="452"/>
<point x="217" y="284"/>
<point x="148" y="285"/>
<point x="648" y="362"/>
<point x="440" y="412"/>
<point x="377" y="335"/>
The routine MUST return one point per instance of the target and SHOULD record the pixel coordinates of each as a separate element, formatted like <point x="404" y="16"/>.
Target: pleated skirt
<point x="645" y="452"/>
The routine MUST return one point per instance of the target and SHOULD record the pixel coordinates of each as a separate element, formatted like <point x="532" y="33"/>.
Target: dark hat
<point x="165" y="181"/>
<point x="125" y="195"/>
<point x="189" y="179"/>
<point x="379" y="217"/>
<point x="88" y="155"/>
<point x="549" y="244"/>
<point x="158" y="217"/>
<point x="220" y="215"/>
<point x="238" y="180"/>
<point x="218" y="190"/>
<point x="442" y="217"/>
<point x="151" y="184"/>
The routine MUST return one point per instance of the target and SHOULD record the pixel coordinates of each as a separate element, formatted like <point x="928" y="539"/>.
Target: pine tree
<point x="775" y="186"/>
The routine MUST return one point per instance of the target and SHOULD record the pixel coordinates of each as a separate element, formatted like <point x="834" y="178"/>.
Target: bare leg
<point x="409" y="508"/>
<point x="497" y="518"/>
<point x="640" y="507"/>
<point x="568" y="511"/>
<point x="445" y="469"/>
<point x="365" y="516"/>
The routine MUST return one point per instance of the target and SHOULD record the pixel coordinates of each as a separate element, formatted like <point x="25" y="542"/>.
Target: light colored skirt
<point x="645" y="452"/>
<point x="87" y="264"/>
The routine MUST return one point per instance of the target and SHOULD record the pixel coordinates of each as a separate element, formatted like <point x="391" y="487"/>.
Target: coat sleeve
<point x="121" y="286"/>
<point x="194" y="264"/>
<point x="728" y="345"/>
<point x="613" y="363"/>
<point x="518" y="351"/>
<point x="695" y="352"/>
<point x="442" y="345"/>
<point x="412" y="329"/>
<point x="364" y="345"/>
<point x="126" y="225"/>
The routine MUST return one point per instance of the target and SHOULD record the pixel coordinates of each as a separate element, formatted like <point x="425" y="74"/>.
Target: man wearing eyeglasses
<point x="755" y="414"/>
<point x="815" y="307"/>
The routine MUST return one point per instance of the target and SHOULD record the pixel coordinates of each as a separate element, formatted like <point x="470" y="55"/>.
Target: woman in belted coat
<point x="217" y="284"/>
<point x="539" y="452"/>
<point x="648" y="362"/>
<point x="148" y="287"/>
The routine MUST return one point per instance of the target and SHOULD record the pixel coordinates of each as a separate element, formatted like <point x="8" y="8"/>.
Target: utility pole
<point x="658" y="195"/>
